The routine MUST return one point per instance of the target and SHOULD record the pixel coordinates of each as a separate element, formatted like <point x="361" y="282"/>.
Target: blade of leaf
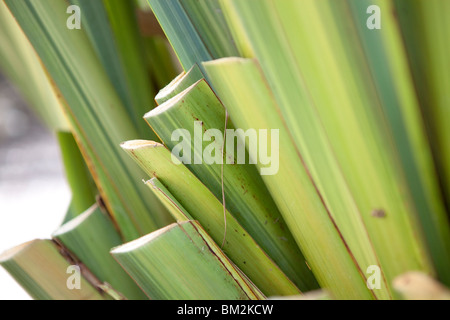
<point x="198" y="114"/>
<point x="78" y="177"/>
<point x="201" y="204"/>
<point x="179" y="84"/>
<point x="425" y="29"/>
<point x="239" y="82"/>
<point x="180" y="31"/>
<point x="211" y="26"/>
<point x="99" y="120"/>
<point x="23" y="67"/>
<point x="326" y="74"/>
<point x="395" y="89"/>
<point x="90" y="237"/>
<point x="41" y="270"/>
<point x="131" y="48"/>
<point x="156" y="260"/>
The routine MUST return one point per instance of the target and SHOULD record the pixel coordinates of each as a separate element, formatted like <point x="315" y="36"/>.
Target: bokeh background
<point x="34" y="195"/>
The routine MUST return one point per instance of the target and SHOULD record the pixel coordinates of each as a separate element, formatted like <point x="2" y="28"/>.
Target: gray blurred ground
<point x="27" y="149"/>
<point x="33" y="193"/>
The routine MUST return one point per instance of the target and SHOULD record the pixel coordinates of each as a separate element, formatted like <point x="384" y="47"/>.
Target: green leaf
<point x="41" y="270"/>
<point x="239" y="82"/>
<point x="78" y="177"/>
<point x="112" y="29"/>
<point x="180" y="261"/>
<point x="209" y="22"/>
<point x="197" y="114"/>
<point x="131" y="48"/>
<point x="425" y="29"/>
<point x="171" y="203"/>
<point x="90" y="237"/>
<point x="179" y="84"/>
<point x="20" y="63"/>
<point x="201" y="204"/>
<point x="181" y="32"/>
<point x="343" y="129"/>
<point x="99" y="119"/>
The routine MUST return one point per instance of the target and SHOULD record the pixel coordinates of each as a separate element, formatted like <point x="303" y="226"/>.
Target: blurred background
<point x="34" y="195"/>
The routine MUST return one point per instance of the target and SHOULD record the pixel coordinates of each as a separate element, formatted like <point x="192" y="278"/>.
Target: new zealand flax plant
<point x="347" y="98"/>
